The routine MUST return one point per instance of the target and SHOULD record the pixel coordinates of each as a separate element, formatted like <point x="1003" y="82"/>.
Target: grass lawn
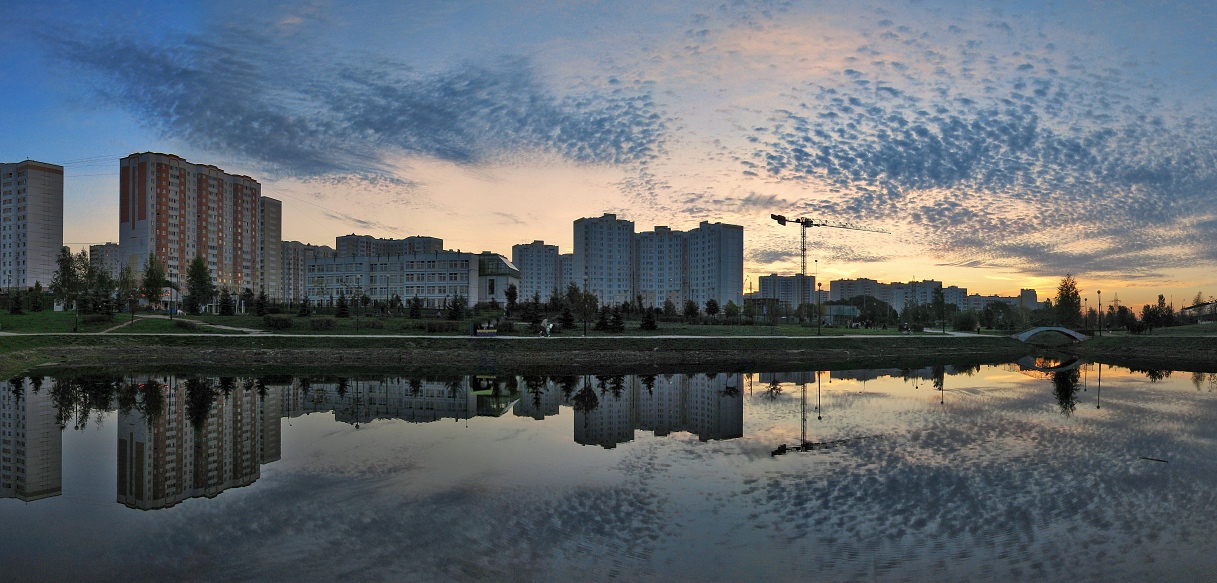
<point x="1189" y="330"/>
<point x="51" y="321"/>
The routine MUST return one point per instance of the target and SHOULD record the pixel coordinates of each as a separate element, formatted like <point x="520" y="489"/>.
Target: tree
<point x="395" y="302"/>
<point x="66" y="284"/>
<point x="306" y="310"/>
<point x="648" y="320"/>
<point x="247" y="299"/>
<point x="364" y="300"/>
<point x="260" y="304"/>
<point x="199" y="286"/>
<point x="712" y="307"/>
<point x="36" y="297"/>
<point x="153" y="281"/>
<point x="456" y="309"/>
<point x="1068" y="302"/>
<point x="511" y="293"/>
<point x="343" y="310"/>
<point x="691" y="310"/>
<point x="416" y="307"/>
<point x="669" y="308"/>
<point x="731" y="310"/>
<point x="602" y="320"/>
<point x="939" y="303"/>
<point x="227" y="304"/>
<point x="567" y="319"/>
<point x="617" y="322"/>
<point x="14" y="302"/>
<point x="127" y="287"/>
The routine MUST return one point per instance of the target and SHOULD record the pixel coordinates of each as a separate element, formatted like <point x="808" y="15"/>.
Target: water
<point x="1009" y="472"/>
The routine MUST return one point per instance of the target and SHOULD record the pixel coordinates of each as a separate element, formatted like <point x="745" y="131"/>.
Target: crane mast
<point x="807" y="223"/>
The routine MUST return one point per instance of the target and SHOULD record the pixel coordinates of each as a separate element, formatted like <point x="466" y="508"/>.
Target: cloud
<point x="279" y="104"/>
<point x="1011" y="165"/>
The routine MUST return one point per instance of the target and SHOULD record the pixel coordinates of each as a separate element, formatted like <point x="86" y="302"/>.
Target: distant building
<point x="31" y="440"/>
<point x="716" y="263"/>
<point x="433" y="277"/>
<point x="566" y="270"/>
<point x="295" y="257"/>
<point x="540" y="269"/>
<point x="368" y="246"/>
<point x="31" y="223"/>
<point x="899" y="294"/>
<point x="176" y="210"/>
<point x="270" y="248"/>
<point x="603" y="258"/>
<point x="785" y="289"/>
<point x="106" y="257"/>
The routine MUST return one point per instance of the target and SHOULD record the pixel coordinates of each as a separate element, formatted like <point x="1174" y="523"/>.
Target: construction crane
<point x="808" y="223"/>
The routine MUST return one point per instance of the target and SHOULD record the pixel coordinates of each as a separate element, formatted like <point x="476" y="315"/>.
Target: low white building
<point x="435" y="278"/>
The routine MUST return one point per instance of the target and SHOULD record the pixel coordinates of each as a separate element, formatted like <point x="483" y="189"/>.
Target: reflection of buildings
<point x="165" y="459"/>
<point x="31" y="443"/>
<point x="361" y="401"/>
<point x="709" y="406"/>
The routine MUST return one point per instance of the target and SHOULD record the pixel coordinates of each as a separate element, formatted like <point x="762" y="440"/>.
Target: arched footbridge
<point x="1076" y="336"/>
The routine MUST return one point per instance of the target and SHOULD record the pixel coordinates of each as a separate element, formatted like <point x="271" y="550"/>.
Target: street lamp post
<point x="819" y="315"/>
<point x="1100" y="292"/>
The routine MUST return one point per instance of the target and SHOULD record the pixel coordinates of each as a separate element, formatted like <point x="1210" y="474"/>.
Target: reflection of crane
<point x="805" y="445"/>
<point x="807" y="223"/>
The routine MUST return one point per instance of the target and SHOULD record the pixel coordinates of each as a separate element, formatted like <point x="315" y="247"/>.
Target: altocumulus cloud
<point x="1004" y="156"/>
<point x="304" y="115"/>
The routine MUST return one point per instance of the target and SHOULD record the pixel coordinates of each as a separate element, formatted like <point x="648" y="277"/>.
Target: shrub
<point x="186" y="324"/>
<point x="506" y="327"/>
<point x="277" y="321"/>
<point x="274" y="310"/>
<point x="95" y="318"/>
<point x="374" y="324"/>
<point x="323" y="324"/>
<point x="433" y="326"/>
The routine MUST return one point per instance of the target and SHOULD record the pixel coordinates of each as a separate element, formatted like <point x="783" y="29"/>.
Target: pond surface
<point x="1010" y="472"/>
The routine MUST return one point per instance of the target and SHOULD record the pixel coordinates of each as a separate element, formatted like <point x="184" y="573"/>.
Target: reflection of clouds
<point x="320" y="528"/>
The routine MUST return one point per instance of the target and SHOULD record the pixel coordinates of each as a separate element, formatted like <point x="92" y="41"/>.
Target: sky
<point x="1002" y="145"/>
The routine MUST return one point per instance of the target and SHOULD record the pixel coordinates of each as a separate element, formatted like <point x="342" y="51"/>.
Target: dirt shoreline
<point x="471" y="356"/>
<point x="284" y="355"/>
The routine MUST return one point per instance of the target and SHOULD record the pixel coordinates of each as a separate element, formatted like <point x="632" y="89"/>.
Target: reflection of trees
<point x="78" y="398"/>
<point x="343" y="384"/>
<point x="939" y="372"/>
<point x="200" y="396"/>
<point x="586" y="401"/>
<point x="731" y="390"/>
<point x="568" y="384"/>
<point x="227" y="384"/>
<point x="968" y="370"/>
<point x="773" y="391"/>
<point x="1154" y="375"/>
<point x="1065" y="387"/>
<point x="536" y="389"/>
<point x="648" y="381"/>
<point x="1199" y="378"/>
<point x="17" y="386"/>
<point x="145" y="398"/>
<point x="416" y="387"/>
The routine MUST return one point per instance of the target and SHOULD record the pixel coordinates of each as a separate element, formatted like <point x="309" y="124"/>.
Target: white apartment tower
<point x="603" y="258"/>
<point x="177" y="210"/>
<point x="716" y="263"/>
<point x="31" y="223"/>
<point x="661" y="266"/>
<point x="540" y="269"/>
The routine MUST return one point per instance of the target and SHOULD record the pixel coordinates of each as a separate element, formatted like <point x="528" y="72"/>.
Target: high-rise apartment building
<point x="540" y="269"/>
<point x="566" y="270"/>
<point x="295" y="258"/>
<point x="176" y="210"/>
<point x="270" y="248"/>
<point x="368" y="246"/>
<point x="785" y="289"/>
<point x="661" y="267"/>
<point x="31" y="442"/>
<point x="31" y="223"/>
<point x="619" y="265"/>
<point x="106" y="257"/>
<point x="603" y="258"/>
<point x="716" y="263"/>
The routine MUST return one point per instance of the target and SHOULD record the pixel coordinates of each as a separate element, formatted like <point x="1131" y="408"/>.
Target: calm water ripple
<point x="1026" y="471"/>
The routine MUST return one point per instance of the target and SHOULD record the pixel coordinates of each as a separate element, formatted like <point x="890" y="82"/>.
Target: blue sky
<point x="1003" y="144"/>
